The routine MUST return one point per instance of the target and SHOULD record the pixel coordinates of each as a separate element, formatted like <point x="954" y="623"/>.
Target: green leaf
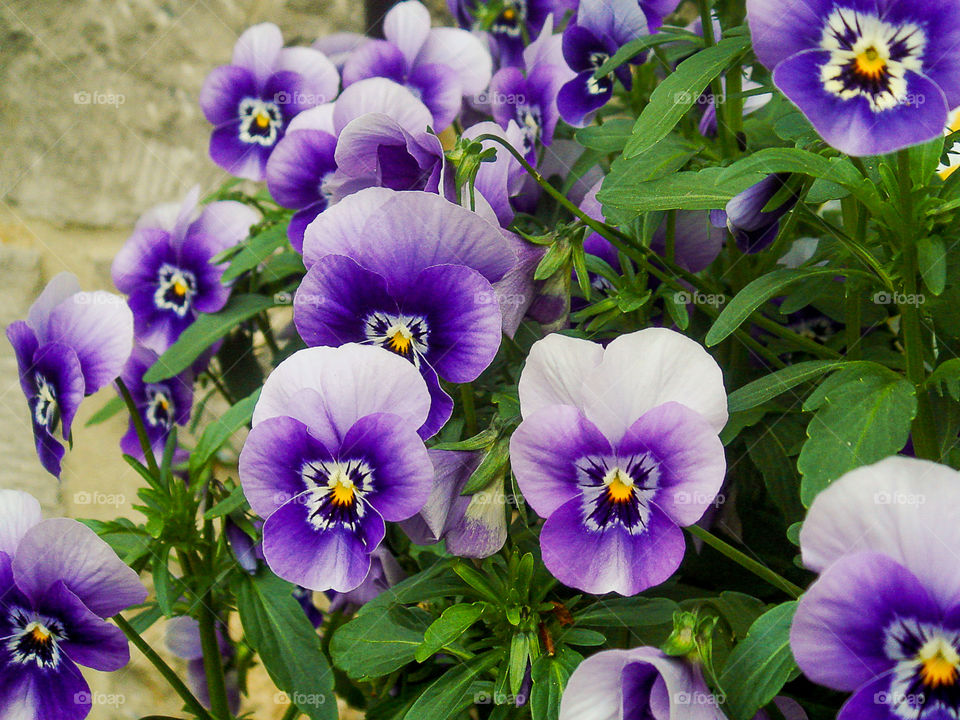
<point x="681" y="90"/>
<point x="932" y="259"/>
<point x="203" y="333"/>
<point x="490" y="468"/>
<point x="640" y="45"/>
<point x="453" y="623"/>
<point x="254" y="251"/>
<point x="517" y="662"/>
<point x="771" y="446"/>
<point x="277" y="628"/>
<point x="220" y="430"/>
<point x="625" y="197"/>
<point x="582" y="637"/>
<point x="611" y="137"/>
<point x="450" y="694"/>
<point x="110" y="408"/>
<point x="754" y="295"/>
<point x="480" y="441"/>
<point x="436" y="581"/>
<point x="550" y="676"/>
<point x="758" y="667"/>
<point x="777" y="383"/>
<point x="863" y="414"/>
<point x="627" y="612"/>
<point x="282" y="265"/>
<point x="946" y="378"/>
<point x="163" y="582"/>
<point x="234" y="501"/>
<point x="375" y="644"/>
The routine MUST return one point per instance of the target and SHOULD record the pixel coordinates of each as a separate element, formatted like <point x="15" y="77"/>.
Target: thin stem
<point x="168" y="674"/>
<point x="748" y="563"/>
<point x="670" y="249"/>
<point x="469" y="408"/>
<point x="140" y="428"/>
<point x="727" y="141"/>
<point x="292" y="712"/>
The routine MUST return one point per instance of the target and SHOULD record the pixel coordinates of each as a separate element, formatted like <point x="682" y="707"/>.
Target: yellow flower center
<point x="39" y="634"/>
<point x="619" y="485"/>
<point x="509" y="14"/>
<point x="399" y="339"/>
<point x="180" y="288"/>
<point x="939" y="663"/>
<point x="342" y="488"/>
<point x="870" y="63"/>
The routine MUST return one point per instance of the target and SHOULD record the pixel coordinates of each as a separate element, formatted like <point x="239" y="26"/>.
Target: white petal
<point x="407" y="26"/>
<point x="463" y="52"/>
<point x="258" y="49"/>
<point x="19" y="511"/>
<point x="62" y="286"/>
<point x="556" y="369"/>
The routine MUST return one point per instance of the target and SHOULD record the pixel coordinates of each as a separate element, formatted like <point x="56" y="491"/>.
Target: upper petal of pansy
<point x="62" y="549"/>
<point x="781" y="28"/>
<point x="401" y="471"/>
<point x="91" y="641"/>
<point x="137" y="263"/>
<point x="298" y="165"/>
<point x="555" y="371"/>
<point x="648" y="368"/>
<point x="398" y="234"/>
<point x="544" y="451"/>
<point x="463" y="317"/>
<point x="99" y="328"/>
<point x="352" y="381"/>
<point x="689" y="456"/>
<point x="316" y="118"/>
<point x="906" y="508"/>
<point x="580" y="97"/>
<point x="375" y="59"/>
<point x="380" y="95"/>
<point x="407" y="26"/>
<point x="223" y="90"/>
<point x="838" y="633"/>
<point x="439" y="88"/>
<point x="62" y="287"/>
<point x="617" y="22"/>
<point x="319" y="77"/>
<point x="338" y="46"/>
<point x="224" y="224"/>
<point x="363" y="150"/>
<point x="258" y="50"/>
<point x="272" y="460"/>
<point x="451" y="470"/>
<point x="461" y="51"/>
<point x="19" y="511"/>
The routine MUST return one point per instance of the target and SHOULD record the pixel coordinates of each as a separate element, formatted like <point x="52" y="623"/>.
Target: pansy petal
<point x="407" y="26"/>
<point x="317" y="118"/>
<point x="58" y="365"/>
<point x="34" y="694"/>
<point x="543" y="452"/>
<point x="648" y="368"/>
<point x="319" y="77"/>
<point x="19" y="511"/>
<point x="223" y="90"/>
<point x="258" y="50"/>
<point x="375" y="59"/>
<point x="593" y="691"/>
<point x="224" y="224"/>
<point x="298" y="165"/>
<point x="580" y="97"/>
<point x="439" y="89"/>
<point x="60" y="288"/>
<point x="837" y="636"/>
<point x="611" y="559"/>
<point x="781" y="28"/>
<point x="243" y="160"/>
<point x="300" y="221"/>
<point x="451" y="469"/>
<point x="461" y="51"/>
<point x="863" y="705"/>
<point x="63" y="549"/>
<point x="441" y="404"/>
<point x="380" y="95"/>
<point x="556" y="369"/>
<point x="91" y="641"/>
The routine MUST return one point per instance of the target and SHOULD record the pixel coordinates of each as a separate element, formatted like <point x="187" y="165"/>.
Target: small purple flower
<point x="183" y="640"/>
<point x="753" y="228"/>
<point x="439" y="65"/>
<point x="71" y="345"/>
<point x="474" y="526"/>
<point x="602" y="27"/>
<point x="164" y="267"/>
<point x="161" y="405"/>
<point x="410" y="272"/>
<point x="385" y="572"/>
<point x="872" y="77"/>
<point x="59" y="583"/>
<point x="334" y="453"/>
<point x="618" y="448"/>
<point x="251" y="101"/>
<point x="638" y="683"/>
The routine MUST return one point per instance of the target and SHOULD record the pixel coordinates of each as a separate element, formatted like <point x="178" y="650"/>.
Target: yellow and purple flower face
<point x="872" y="76"/>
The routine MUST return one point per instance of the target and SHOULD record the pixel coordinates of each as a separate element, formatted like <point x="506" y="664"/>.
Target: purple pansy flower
<point x="602" y="27"/>
<point x="618" y="448"/>
<point x="410" y="272"/>
<point x="883" y="618"/>
<point x="164" y="267"/>
<point x="474" y="526"/>
<point x="385" y="572"/>
<point x="440" y="65"/>
<point x="251" y="101"/>
<point x="638" y="683"/>
<point x="161" y="405"/>
<point x="58" y="584"/>
<point x="872" y="77"/>
<point x="528" y="96"/>
<point x="183" y="640"/>
<point x="753" y="228"/>
<point x="510" y="23"/>
<point x="71" y="345"/>
<point x="334" y="453"/>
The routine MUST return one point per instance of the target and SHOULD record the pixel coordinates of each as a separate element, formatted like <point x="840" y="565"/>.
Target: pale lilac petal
<point x="338" y="46"/>
<point x="462" y="51"/>
<point x="63" y="286"/>
<point x="555" y="372"/>
<point x="379" y="95"/>
<point x="407" y="26"/>
<point x="182" y="638"/>
<point x="225" y="224"/>
<point x="320" y="79"/>
<point x="318" y="118"/>
<point x="258" y="50"/>
<point x="19" y="511"/>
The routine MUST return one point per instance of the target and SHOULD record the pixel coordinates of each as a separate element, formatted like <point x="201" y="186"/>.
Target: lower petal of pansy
<point x="30" y="693"/>
<point x="300" y="220"/>
<point x="90" y="640"/>
<point x="868" y="703"/>
<point x="611" y="558"/>
<point x="583" y="95"/>
<point x="441" y="404"/>
<point x="245" y="160"/>
<point x="439" y="89"/>
<point x="336" y="557"/>
<point x="544" y="452"/>
<point x="913" y="112"/>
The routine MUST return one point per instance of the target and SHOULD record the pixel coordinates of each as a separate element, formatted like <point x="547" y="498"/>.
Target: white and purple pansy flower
<point x="638" y="683"/>
<point x="439" y="65"/>
<point x="251" y="101"/>
<point x="333" y="454"/>
<point x="617" y="450"/>
<point x="883" y="619"/>
<point x="58" y="584"/>
<point x="72" y="344"/>
<point x="410" y="272"/>
<point x="511" y="24"/>
<point x="873" y="76"/>
<point x="385" y="572"/>
<point x="161" y="404"/>
<point x="754" y="228"/>
<point x="601" y="28"/>
<point x="165" y="269"/>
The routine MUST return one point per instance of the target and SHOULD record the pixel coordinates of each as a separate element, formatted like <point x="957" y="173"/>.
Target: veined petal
<point x="556" y="369"/>
<point x="407" y="26"/>
<point x="19" y="511"/>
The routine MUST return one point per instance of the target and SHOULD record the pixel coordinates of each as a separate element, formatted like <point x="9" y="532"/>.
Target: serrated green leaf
<point x="375" y="644"/>
<point x="254" y="251"/>
<point x="220" y="430"/>
<point x="452" y="623"/>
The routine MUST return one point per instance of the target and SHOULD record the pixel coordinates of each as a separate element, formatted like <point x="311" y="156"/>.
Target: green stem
<point x="670" y="250"/>
<point x="292" y="712"/>
<point x="469" y="408"/>
<point x="728" y="142"/>
<point x="748" y="563"/>
<point x="165" y="670"/>
<point x="140" y="428"/>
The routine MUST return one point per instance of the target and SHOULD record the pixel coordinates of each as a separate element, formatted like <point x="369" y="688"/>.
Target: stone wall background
<point x="98" y="106"/>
